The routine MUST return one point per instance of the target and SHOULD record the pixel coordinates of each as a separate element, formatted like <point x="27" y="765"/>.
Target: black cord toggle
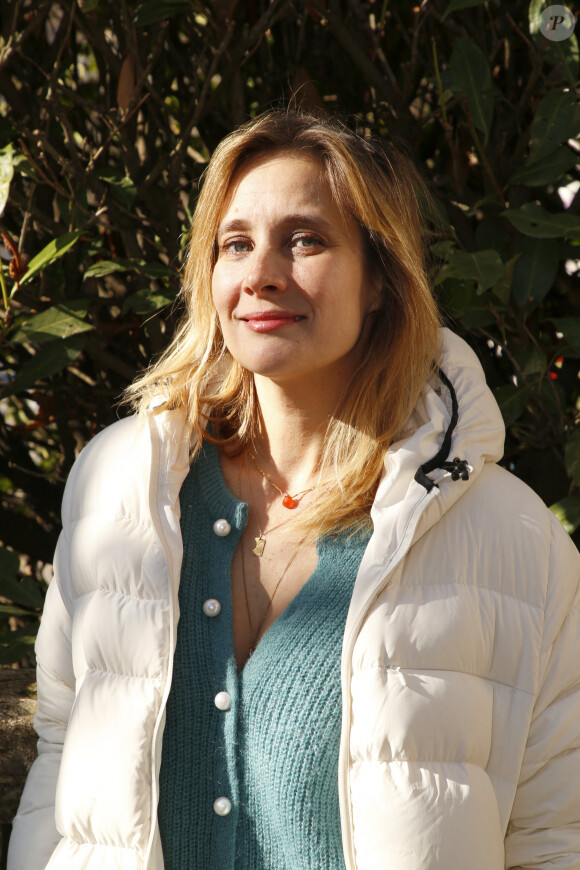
<point x="458" y="468"/>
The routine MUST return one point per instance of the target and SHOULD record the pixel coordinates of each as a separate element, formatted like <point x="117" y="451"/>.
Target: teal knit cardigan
<point x="250" y="761"/>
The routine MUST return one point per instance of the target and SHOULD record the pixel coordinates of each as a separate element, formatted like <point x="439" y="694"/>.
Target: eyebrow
<point x="304" y="219"/>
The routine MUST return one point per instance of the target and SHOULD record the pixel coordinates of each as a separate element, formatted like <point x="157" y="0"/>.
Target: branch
<point x="178" y="154"/>
<point x="14" y="43"/>
<point x="357" y="54"/>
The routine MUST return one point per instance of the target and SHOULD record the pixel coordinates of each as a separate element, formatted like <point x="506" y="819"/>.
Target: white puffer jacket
<point x="461" y="661"/>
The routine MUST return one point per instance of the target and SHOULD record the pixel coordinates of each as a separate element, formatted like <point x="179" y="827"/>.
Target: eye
<point x="307" y="242"/>
<point x="235" y="246"/>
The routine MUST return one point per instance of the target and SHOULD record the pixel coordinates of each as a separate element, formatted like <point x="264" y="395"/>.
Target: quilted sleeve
<point x="544" y="830"/>
<point x="34" y="835"/>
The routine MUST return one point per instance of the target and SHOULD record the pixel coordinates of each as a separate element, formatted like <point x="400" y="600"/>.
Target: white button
<point x="222" y="701"/>
<point x="222" y="528"/>
<point x="222" y="806"/>
<point x="211" y="607"/>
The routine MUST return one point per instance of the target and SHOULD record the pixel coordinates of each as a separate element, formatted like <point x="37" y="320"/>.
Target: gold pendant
<point x="259" y="547"/>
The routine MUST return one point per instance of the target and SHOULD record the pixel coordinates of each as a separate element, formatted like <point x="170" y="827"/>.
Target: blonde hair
<point x="379" y="187"/>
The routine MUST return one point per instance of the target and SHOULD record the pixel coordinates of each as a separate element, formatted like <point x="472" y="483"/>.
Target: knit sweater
<point x="273" y="752"/>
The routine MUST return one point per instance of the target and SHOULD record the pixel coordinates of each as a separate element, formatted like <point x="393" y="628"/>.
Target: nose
<point x="266" y="271"/>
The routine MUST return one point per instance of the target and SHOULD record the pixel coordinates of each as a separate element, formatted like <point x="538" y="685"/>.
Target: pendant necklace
<point x="289" y="501"/>
<point x="255" y="632"/>
<point x="260" y="541"/>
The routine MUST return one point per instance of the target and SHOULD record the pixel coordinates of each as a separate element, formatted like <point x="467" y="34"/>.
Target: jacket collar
<point x="400" y="512"/>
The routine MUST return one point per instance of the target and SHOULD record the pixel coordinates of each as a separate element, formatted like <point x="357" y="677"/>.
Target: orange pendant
<point x="289" y="502"/>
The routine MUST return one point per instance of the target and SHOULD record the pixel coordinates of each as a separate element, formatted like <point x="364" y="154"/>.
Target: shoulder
<point x="116" y="467"/>
<point x="108" y="457"/>
<point x="503" y="525"/>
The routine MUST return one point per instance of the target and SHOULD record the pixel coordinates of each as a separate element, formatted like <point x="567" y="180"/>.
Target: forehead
<point x="287" y="180"/>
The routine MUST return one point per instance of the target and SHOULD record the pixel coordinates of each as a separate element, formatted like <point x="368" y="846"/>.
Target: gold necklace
<point x="256" y="633"/>
<point x="260" y="541"/>
<point x="289" y="501"/>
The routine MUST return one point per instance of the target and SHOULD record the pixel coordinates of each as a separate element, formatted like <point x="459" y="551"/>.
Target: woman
<point x="300" y="618"/>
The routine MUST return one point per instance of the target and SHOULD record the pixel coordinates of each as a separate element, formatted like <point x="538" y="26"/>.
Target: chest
<point x="264" y="586"/>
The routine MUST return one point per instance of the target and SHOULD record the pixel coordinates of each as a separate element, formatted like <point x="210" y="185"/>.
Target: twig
<point x="440" y="101"/>
<point x="114" y="132"/>
<point x="3" y="284"/>
<point x="520" y="32"/>
<point x="377" y="50"/>
<point x="482" y="153"/>
<point x="177" y="156"/>
<point x="46" y="145"/>
<point x="344" y="37"/>
<point x="14" y="42"/>
<point x="108" y="360"/>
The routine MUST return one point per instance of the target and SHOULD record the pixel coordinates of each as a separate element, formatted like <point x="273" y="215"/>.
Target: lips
<point x="267" y="321"/>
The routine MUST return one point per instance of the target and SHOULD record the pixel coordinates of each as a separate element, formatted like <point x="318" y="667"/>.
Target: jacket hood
<point x="433" y="436"/>
<point x="416" y="489"/>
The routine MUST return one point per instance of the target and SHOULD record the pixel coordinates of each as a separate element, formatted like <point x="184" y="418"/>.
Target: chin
<point x="267" y="367"/>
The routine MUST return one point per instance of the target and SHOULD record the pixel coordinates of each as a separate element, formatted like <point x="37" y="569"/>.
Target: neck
<point x="292" y="433"/>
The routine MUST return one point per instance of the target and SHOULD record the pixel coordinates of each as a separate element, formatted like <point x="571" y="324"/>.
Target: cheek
<point x="220" y="295"/>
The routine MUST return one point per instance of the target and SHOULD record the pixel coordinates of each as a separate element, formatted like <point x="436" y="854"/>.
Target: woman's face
<point x="290" y="285"/>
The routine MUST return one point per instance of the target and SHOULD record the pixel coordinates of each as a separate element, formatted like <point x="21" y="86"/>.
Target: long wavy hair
<point x="378" y="186"/>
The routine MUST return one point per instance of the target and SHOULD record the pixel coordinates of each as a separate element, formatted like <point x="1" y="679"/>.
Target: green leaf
<point x="565" y="56"/>
<point x="470" y="75"/>
<point x="534" y="220"/>
<point x="570" y="329"/>
<point x="534" y="16"/>
<point x="460" y="4"/>
<point x="9" y="565"/>
<point x="535" y="270"/>
<point x="25" y="592"/>
<point x="546" y="170"/>
<point x="455" y="296"/>
<point x="60" y="321"/>
<point x="483" y="267"/>
<point x="152" y="11"/>
<point x="478" y="314"/>
<point x="16" y="645"/>
<point x="502" y="288"/>
<point x="53" y="251"/>
<point x="108" y="267"/>
<point x="572" y="455"/>
<point x="512" y="401"/>
<point x="13" y="610"/>
<point x="6" y="173"/>
<point x="567" y="510"/>
<point x="49" y="360"/>
<point x="531" y="362"/>
<point x="553" y="124"/>
<point x="123" y="188"/>
<point x="104" y="268"/>
<point x="146" y="302"/>
<point x="442" y="248"/>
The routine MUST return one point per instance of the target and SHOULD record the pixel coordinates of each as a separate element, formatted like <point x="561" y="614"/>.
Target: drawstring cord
<point x="459" y="468"/>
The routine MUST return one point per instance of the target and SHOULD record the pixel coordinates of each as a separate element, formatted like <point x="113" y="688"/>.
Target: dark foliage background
<point x="108" y="115"/>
